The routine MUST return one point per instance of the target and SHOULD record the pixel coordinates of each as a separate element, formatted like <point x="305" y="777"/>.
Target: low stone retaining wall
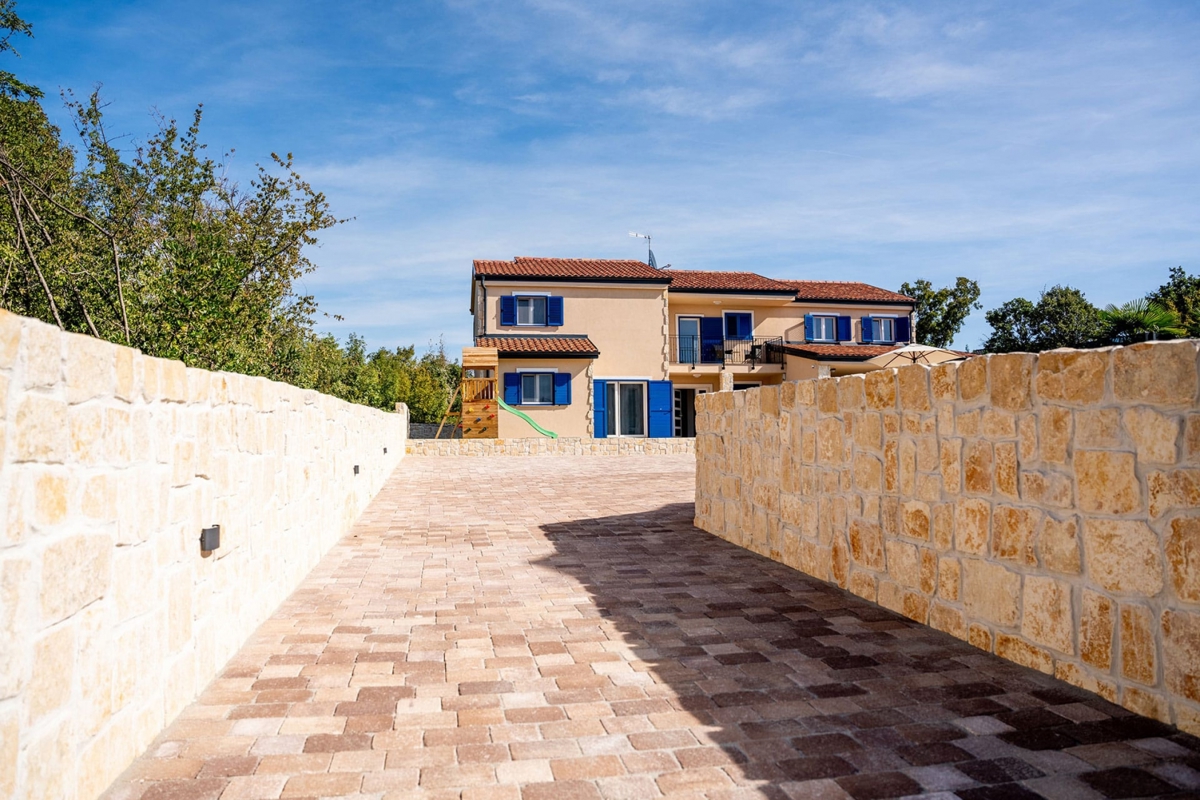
<point x="543" y="446"/>
<point x="1042" y="507"/>
<point x="111" y="618"/>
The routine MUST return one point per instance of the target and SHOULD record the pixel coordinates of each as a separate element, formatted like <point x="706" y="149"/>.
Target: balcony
<point x="750" y="352"/>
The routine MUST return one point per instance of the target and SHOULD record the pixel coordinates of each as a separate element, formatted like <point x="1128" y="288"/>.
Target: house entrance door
<point x="685" y="410"/>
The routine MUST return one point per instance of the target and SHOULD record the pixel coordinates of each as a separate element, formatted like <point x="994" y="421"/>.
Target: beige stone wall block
<point x="1155" y="372"/>
<point x="10" y="725"/>
<point x="1046" y="617"/>
<point x="990" y="592"/>
<point x="979" y="636"/>
<point x="850" y="396"/>
<point x="949" y="578"/>
<point x="1139" y="659"/>
<point x="1187" y="718"/>
<point x="1027" y="437"/>
<point x="903" y="563"/>
<point x="15" y="589"/>
<point x="10" y="338"/>
<point x="1072" y="376"/>
<point x="951" y="465"/>
<point x="868" y="473"/>
<point x="1178" y="488"/>
<point x="839" y="563"/>
<point x="907" y="462"/>
<point x="915" y="520"/>
<point x="868" y="431"/>
<point x="1014" y="648"/>
<point x="52" y="673"/>
<point x="41" y="347"/>
<point x="929" y="571"/>
<point x="89" y="367"/>
<point x="1153" y="434"/>
<point x="1012" y="533"/>
<point x="914" y="387"/>
<point x="1054" y="434"/>
<point x="1181" y="653"/>
<point x="972" y="378"/>
<point x="1009" y="376"/>
<point x="948" y="619"/>
<point x="978" y="469"/>
<point x="172" y="380"/>
<point x="51" y="493"/>
<point x="87" y="434"/>
<point x="1183" y="558"/>
<point x="1076" y="676"/>
<point x="863" y="584"/>
<point x="827" y="400"/>
<point x="75" y="572"/>
<point x="943" y="526"/>
<point x="1148" y="704"/>
<point x="41" y="430"/>
<point x="829" y="441"/>
<point x="1108" y="482"/>
<point x="1098" y="428"/>
<point x="943" y="381"/>
<point x="866" y="544"/>
<point x="998" y="424"/>
<point x="967" y="423"/>
<point x="126" y="364"/>
<point x="880" y="389"/>
<point x="1052" y="489"/>
<point x="1123" y="556"/>
<point x="1058" y="545"/>
<point x="972" y="526"/>
<point x="1096" y="623"/>
<point x="46" y="762"/>
<point x="1006" y="469"/>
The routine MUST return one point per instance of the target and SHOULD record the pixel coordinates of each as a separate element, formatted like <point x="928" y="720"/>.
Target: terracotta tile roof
<point x="840" y="352"/>
<point x="572" y="269"/>
<point x="508" y="345"/>
<point x="684" y="280"/>
<point x="844" y="290"/>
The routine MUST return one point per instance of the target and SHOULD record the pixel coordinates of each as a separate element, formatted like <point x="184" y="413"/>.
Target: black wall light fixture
<point x="210" y="539"/>
<point x="385" y="451"/>
<point x="356" y="469"/>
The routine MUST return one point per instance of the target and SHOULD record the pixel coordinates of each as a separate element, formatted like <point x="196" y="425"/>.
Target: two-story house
<point x="592" y="347"/>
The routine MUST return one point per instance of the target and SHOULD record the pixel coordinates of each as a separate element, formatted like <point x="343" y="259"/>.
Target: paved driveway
<point x="555" y="628"/>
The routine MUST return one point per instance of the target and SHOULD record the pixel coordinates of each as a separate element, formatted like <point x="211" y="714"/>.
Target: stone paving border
<point x="556" y="628"/>
<point x="541" y="446"/>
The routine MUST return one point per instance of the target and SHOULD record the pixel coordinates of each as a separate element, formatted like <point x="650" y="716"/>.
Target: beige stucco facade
<point x="774" y="316"/>
<point x="569" y="420"/>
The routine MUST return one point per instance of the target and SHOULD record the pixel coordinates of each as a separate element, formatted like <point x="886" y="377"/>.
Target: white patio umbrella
<point x="916" y="354"/>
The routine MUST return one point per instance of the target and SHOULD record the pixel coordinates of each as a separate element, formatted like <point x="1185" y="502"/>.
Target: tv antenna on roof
<point x="650" y="257"/>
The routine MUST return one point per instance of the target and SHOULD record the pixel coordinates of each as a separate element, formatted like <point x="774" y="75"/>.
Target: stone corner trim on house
<point x="1041" y="507"/>
<point x="111" y="462"/>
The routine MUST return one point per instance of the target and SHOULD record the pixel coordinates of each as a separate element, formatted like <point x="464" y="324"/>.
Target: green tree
<point x="941" y="312"/>
<point x="1062" y="317"/>
<point x="1181" y="294"/>
<point x="1140" y="320"/>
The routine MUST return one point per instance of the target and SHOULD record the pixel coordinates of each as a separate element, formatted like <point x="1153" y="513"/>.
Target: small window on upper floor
<point x="824" y="329"/>
<point x="884" y="329"/>
<point x="531" y="311"/>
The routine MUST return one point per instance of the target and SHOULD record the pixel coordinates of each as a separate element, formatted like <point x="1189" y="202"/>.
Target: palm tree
<point x="1140" y="320"/>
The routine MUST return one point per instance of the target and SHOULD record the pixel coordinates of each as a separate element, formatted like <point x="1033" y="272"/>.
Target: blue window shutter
<point x="808" y="327"/>
<point x="661" y="404"/>
<point x="868" y="326"/>
<point x="562" y="388"/>
<point x="843" y="332"/>
<point x="508" y="312"/>
<point x="512" y="388"/>
<point x="600" y="409"/>
<point x="712" y="340"/>
<point x="554" y="311"/>
<point x="902" y="330"/>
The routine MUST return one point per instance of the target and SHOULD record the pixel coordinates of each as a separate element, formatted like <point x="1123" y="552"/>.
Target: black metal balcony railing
<point x="752" y="352"/>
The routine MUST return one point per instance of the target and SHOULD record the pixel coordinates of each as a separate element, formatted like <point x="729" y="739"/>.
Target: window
<point x="537" y="388"/>
<point x="739" y="325"/>
<point x="824" y="329"/>
<point x="688" y="340"/>
<point x="626" y="409"/>
<point x="883" y="329"/>
<point x="531" y="311"/>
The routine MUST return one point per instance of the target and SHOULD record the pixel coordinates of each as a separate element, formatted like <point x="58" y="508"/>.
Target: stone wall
<point x="1042" y="507"/>
<point x="111" y="619"/>
<point x="542" y="446"/>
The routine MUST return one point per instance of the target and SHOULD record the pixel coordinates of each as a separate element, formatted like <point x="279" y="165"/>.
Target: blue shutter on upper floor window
<point x="554" y="312"/>
<point x="562" y="388"/>
<point x="662" y="409"/>
<point x="808" y="327"/>
<point x="508" y="312"/>
<point x="903" y="333"/>
<point x="843" y="330"/>
<point x="600" y="409"/>
<point x="868" y="329"/>
<point x="512" y="388"/>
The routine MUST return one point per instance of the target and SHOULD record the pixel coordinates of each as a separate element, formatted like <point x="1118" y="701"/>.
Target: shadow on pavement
<point x="799" y="689"/>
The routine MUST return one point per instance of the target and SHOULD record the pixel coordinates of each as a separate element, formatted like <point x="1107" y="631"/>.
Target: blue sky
<point x="1019" y="144"/>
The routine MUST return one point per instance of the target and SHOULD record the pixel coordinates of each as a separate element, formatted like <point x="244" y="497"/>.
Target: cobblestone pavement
<point x="556" y="628"/>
